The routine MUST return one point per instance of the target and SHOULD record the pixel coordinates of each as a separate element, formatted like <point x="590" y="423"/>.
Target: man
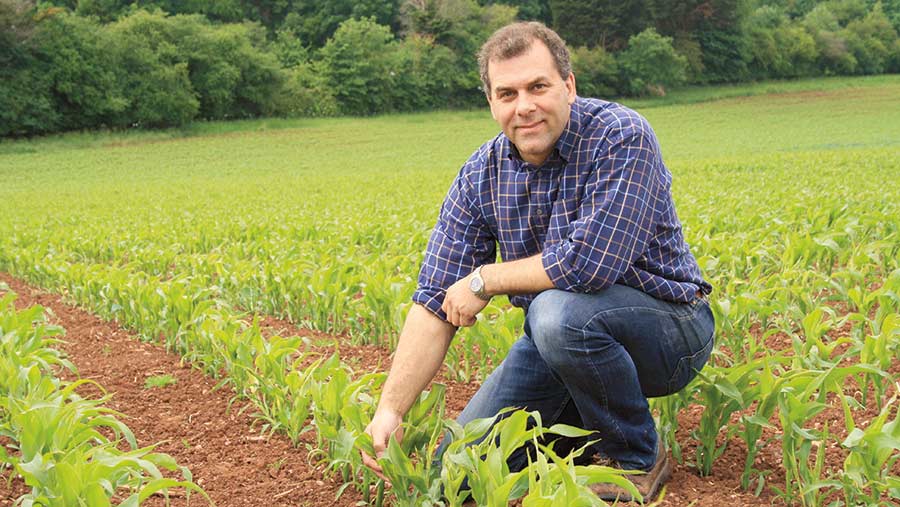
<point x="575" y="194"/>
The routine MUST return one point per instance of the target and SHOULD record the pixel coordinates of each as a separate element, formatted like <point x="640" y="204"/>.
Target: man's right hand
<point x="384" y="424"/>
<point x="420" y="350"/>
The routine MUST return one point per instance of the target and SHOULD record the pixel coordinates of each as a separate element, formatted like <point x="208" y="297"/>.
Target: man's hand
<point x="461" y="305"/>
<point x="384" y="424"/>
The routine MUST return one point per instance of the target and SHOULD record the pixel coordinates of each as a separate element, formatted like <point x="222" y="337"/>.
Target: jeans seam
<point x="562" y="407"/>
<point x="613" y="311"/>
<point x="616" y="428"/>
<point x="689" y="360"/>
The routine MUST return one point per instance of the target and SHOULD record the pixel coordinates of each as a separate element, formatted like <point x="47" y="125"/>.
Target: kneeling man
<point x="575" y="195"/>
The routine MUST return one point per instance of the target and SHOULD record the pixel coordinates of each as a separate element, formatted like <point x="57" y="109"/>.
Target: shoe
<point x="647" y="484"/>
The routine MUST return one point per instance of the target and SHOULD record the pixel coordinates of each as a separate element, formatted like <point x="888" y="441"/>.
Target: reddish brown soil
<point x="222" y="448"/>
<point x="237" y="467"/>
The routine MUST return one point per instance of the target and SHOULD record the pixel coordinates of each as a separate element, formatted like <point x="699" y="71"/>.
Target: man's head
<point x="529" y="85"/>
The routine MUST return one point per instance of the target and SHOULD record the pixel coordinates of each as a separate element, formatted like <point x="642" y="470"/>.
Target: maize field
<point x="790" y="202"/>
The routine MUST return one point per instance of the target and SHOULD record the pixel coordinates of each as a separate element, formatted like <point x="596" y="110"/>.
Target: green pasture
<point x="789" y="201"/>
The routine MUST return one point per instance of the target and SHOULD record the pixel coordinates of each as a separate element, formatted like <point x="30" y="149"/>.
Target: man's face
<point x="531" y="101"/>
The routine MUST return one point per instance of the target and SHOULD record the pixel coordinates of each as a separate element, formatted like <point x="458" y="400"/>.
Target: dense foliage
<point x="83" y="64"/>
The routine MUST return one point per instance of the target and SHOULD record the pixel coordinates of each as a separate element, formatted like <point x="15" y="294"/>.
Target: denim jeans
<point x="592" y="360"/>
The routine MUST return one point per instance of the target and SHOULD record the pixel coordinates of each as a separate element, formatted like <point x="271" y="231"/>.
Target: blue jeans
<point x="592" y="360"/>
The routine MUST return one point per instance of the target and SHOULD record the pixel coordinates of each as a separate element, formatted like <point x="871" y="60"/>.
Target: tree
<point x="26" y="105"/>
<point x="356" y="64"/>
<point x="834" y="55"/>
<point x="424" y="75"/>
<point x="154" y="75"/>
<point x="528" y="10"/>
<point x="462" y="26"/>
<point x="596" y="72"/>
<point x="70" y="54"/>
<point x="606" y="23"/>
<point x="314" y="21"/>
<point x="777" y="47"/>
<point x="872" y="40"/>
<point x="650" y="64"/>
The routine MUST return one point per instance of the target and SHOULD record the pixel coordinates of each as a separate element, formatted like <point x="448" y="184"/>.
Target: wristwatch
<point x="476" y="285"/>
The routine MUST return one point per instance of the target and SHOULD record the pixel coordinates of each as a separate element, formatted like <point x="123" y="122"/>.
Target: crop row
<point x="66" y="447"/>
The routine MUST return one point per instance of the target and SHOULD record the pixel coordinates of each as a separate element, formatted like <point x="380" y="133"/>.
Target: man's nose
<point x="525" y="104"/>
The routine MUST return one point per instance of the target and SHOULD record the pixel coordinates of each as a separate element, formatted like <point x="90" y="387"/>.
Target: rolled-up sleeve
<point x="459" y="243"/>
<point x="615" y="219"/>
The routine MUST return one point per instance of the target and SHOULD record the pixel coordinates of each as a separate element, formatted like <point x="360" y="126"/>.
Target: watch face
<point x="476" y="284"/>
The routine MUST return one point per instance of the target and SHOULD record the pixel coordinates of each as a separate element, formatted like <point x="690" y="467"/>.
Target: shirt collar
<point x="565" y="145"/>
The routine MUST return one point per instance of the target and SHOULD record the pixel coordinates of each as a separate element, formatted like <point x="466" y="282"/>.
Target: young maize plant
<point x="722" y="391"/>
<point x="26" y="340"/>
<point x="811" y="351"/>
<point x="483" y="346"/>
<point x="408" y="464"/>
<point x="334" y="395"/>
<point x="869" y="476"/>
<point x="666" y="410"/>
<point x="803" y="449"/>
<point x="559" y="482"/>
<point x="475" y="463"/>
<point x="752" y="425"/>
<point x="283" y="399"/>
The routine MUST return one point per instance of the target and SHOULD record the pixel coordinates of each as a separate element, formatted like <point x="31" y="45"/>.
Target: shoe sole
<point x="664" y="475"/>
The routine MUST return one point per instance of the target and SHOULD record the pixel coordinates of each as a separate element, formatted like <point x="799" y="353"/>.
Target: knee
<point x="551" y="326"/>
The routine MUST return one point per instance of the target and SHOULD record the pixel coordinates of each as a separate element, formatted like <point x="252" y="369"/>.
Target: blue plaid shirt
<point x="599" y="210"/>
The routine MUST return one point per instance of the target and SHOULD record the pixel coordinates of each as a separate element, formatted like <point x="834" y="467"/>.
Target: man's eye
<point x="539" y="86"/>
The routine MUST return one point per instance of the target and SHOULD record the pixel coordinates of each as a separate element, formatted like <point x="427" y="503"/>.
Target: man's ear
<point x="570" y="88"/>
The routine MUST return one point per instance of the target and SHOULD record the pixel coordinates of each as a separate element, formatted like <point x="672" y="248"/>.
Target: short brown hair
<point x="514" y="40"/>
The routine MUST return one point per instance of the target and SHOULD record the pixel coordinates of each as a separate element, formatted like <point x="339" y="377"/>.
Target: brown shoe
<point x="647" y="484"/>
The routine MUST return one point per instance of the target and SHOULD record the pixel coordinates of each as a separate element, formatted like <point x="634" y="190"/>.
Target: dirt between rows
<point x="237" y="467"/>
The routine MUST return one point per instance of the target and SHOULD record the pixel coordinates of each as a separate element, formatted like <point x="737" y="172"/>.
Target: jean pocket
<point x="688" y="366"/>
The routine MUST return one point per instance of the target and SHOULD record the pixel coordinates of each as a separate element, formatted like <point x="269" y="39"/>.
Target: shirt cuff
<point x="558" y="269"/>
<point x="432" y="301"/>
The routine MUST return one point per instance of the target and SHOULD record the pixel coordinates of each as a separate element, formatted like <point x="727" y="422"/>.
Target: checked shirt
<point x="599" y="210"/>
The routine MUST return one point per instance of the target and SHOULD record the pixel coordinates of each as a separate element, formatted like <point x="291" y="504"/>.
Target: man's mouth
<point x="529" y="126"/>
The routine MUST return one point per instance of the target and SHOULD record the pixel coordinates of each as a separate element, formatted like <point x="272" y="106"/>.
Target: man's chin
<point x="533" y="154"/>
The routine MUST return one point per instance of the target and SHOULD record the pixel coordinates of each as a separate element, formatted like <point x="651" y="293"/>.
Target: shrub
<point x="778" y="48"/>
<point x="228" y="72"/>
<point x="70" y="54"/>
<point x="423" y="75"/>
<point x="834" y="56"/>
<point x="650" y="64"/>
<point x="306" y="92"/>
<point x="356" y="64"/>
<point x="726" y="55"/>
<point x="26" y="104"/>
<point x="155" y="78"/>
<point x="596" y="72"/>
<point x="871" y="40"/>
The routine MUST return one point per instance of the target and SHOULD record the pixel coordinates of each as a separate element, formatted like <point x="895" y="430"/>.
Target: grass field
<point x="789" y="200"/>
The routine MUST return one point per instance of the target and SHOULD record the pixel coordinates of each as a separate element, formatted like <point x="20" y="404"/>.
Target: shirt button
<point x="540" y="212"/>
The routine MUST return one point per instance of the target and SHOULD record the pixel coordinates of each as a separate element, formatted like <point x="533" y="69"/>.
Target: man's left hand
<point x="461" y="305"/>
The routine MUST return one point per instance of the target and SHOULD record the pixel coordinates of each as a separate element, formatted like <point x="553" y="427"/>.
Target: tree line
<point x="84" y="64"/>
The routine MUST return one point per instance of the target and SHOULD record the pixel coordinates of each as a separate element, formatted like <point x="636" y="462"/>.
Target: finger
<point x="371" y="463"/>
<point x="457" y="321"/>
